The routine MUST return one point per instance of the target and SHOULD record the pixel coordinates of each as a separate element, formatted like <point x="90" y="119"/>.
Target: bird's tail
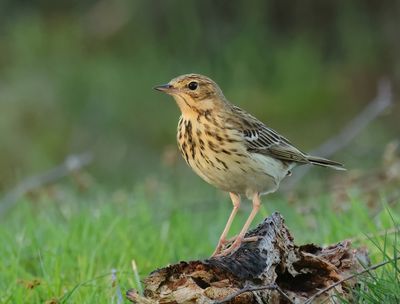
<point x="323" y="162"/>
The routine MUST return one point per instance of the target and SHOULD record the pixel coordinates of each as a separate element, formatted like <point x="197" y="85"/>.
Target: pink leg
<point x="222" y="240"/>
<point x="236" y="244"/>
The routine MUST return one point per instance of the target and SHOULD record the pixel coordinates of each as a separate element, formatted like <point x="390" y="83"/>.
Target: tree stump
<point x="269" y="270"/>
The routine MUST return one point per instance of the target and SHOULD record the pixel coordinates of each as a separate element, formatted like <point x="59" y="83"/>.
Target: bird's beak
<point x="165" y="88"/>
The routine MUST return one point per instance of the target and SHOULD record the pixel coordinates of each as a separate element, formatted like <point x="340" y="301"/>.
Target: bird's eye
<point x="193" y="85"/>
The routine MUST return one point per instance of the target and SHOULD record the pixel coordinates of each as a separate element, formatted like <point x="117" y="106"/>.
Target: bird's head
<point x="194" y="93"/>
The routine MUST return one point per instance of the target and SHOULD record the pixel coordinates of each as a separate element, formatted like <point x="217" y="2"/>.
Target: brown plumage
<point x="231" y="149"/>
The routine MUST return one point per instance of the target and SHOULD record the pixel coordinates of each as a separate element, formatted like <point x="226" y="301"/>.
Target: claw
<point x="235" y="246"/>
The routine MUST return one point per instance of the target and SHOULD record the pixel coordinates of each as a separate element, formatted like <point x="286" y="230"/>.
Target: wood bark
<point x="270" y="270"/>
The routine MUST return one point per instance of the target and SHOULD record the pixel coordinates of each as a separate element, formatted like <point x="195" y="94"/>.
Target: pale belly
<point x="254" y="174"/>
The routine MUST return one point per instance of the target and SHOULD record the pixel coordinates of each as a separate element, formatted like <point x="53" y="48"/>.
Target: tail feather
<point x="323" y="162"/>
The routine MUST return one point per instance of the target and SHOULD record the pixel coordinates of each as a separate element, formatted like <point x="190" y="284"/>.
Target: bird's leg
<point x="222" y="239"/>
<point x="239" y="239"/>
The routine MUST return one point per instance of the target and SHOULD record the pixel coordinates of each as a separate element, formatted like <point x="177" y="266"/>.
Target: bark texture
<point x="270" y="270"/>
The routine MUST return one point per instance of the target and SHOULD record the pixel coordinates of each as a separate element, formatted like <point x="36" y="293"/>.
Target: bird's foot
<point x="231" y="249"/>
<point x="237" y="241"/>
<point x="220" y="246"/>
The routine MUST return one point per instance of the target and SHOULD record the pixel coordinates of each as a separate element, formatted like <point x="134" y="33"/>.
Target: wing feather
<point x="263" y="140"/>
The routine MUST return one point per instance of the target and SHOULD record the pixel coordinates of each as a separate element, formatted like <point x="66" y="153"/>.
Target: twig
<point x="72" y="163"/>
<point x="373" y="267"/>
<point x="254" y="288"/>
<point x="375" y="108"/>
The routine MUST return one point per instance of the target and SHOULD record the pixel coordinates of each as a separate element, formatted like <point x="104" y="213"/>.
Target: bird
<point x="231" y="149"/>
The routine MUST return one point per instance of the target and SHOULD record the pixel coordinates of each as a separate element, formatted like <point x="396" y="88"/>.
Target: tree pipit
<point x="231" y="149"/>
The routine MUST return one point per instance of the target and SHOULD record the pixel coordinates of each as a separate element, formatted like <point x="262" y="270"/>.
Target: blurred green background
<point x="77" y="76"/>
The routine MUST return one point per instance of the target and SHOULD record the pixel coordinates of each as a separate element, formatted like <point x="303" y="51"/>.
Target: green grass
<point x="68" y="244"/>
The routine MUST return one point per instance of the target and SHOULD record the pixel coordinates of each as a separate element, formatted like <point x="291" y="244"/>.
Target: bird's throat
<point x="184" y="105"/>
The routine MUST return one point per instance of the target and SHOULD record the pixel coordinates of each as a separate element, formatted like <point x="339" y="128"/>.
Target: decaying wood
<point x="269" y="270"/>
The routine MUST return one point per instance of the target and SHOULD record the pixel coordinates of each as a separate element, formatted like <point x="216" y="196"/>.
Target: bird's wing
<point x="263" y="140"/>
<point x="266" y="141"/>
